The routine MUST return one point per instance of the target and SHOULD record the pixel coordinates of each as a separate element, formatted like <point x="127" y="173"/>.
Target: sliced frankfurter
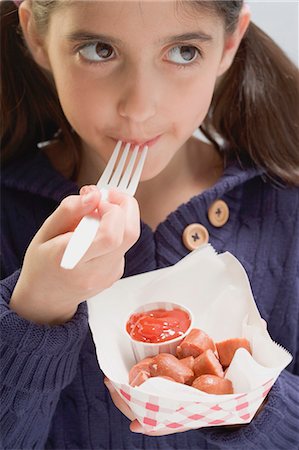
<point x="211" y="384"/>
<point x="167" y="365"/>
<point x="188" y="361"/>
<point x="141" y="366"/>
<point x="226" y="349"/>
<point x="140" y="378"/>
<point x="195" y="343"/>
<point x="207" y="363"/>
<point x="168" y="378"/>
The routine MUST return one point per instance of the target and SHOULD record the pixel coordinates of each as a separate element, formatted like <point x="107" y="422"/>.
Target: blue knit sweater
<point x="51" y="385"/>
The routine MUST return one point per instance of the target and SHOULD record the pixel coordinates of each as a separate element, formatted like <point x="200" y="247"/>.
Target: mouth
<point x="141" y="142"/>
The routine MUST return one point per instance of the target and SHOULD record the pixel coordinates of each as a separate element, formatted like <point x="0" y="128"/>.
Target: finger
<point x="119" y="227"/>
<point x="112" y="195"/>
<point x="110" y="235"/>
<point x="118" y="197"/>
<point x="125" y="201"/>
<point x="136" y="427"/>
<point x="106" y="251"/>
<point x="68" y="214"/>
<point x="131" y="212"/>
<point x="88" y="188"/>
<point x="132" y="215"/>
<point x="98" y="274"/>
<point x="118" y="401"/>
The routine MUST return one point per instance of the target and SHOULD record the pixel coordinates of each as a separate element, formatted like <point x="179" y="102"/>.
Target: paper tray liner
<point x="217" y="290"/>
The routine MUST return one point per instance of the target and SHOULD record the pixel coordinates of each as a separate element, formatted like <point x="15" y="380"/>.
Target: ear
<point x="232" y="41"/>
<point x="35" y="42"/>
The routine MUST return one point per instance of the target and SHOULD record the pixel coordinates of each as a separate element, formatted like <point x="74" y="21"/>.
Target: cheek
<point x="82" y="95"/>
<point x="193" y="104"/>
<point x="84" y="100"/>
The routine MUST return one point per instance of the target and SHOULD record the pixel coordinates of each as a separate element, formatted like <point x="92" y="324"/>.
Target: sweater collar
<point x="36" y="175"/>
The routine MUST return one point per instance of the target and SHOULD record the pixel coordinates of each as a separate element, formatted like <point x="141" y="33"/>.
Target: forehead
<point x="181" y="6"/>
<point x="154" y="17"/>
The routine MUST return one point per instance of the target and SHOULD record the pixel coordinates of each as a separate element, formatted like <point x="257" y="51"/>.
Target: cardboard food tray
<point x="217" y="290"/>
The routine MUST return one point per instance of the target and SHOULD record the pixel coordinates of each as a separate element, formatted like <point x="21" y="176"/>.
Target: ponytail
<point x="255" y="108"/>
<point x="30" y="108"/>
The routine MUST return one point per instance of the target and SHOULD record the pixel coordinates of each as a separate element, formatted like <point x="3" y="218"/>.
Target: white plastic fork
<point x="127" y="182"/>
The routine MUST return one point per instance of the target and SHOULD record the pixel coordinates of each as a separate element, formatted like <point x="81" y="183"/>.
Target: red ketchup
<point x="158" y="325"/>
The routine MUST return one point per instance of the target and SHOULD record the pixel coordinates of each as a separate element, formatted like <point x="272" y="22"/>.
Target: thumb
<point x="68" y="214"/>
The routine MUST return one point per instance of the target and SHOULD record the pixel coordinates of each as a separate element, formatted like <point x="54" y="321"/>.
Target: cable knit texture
<point x="52" y="388"/>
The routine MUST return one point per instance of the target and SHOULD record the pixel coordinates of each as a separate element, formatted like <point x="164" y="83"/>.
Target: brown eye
<point x="187" y="53"/>
<point x="97" y="52"/>
<point x="183" y="54"/>
<point x="104" y="50"/>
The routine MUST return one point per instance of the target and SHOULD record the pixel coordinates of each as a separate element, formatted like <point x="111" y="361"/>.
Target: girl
<point x="79" y="76"/>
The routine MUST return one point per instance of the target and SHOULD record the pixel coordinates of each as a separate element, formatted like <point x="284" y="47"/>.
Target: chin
<point x="149" y="174"/>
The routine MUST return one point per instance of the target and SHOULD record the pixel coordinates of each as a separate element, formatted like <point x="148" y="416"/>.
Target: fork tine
<point x="136" y="176"/>
<point x="118" y="171"/>
<point x="128" y="172"/>
<point x="110" y="166"/>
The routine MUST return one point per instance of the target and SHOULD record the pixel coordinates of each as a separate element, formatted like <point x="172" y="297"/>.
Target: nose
<point x="137" y="101"/>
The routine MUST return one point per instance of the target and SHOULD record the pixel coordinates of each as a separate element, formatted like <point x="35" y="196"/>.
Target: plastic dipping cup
<point x="143" y="350"/>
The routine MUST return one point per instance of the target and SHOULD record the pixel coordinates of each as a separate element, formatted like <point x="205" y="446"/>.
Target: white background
<point x="279" y="19"/>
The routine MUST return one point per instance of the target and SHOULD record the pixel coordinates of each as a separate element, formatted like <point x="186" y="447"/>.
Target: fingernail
<point x="88" y="188"/>
<point x="86" y="198"/>
<point x="84" y="190"/>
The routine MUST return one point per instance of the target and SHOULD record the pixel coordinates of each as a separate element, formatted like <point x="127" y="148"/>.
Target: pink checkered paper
<point x="153" y="412"/>
<point x="217" y="291"/>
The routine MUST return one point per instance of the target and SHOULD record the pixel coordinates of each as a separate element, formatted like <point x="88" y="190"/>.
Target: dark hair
<point x="254" y="107"/>
<point x="30" y="108"/>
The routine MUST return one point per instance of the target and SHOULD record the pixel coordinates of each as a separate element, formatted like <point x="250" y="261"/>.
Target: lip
<point x="141" y="143"/>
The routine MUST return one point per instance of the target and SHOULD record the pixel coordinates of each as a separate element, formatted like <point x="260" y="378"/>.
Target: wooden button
<point x="195" y="235"/>
<point x="218" y="213"/>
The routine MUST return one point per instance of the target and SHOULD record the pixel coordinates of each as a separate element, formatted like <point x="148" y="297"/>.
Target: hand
<point x="135" y="426"/>
<point x="48" y="294"/>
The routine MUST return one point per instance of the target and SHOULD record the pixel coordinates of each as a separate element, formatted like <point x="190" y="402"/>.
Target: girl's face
<point x="139" y="71"/>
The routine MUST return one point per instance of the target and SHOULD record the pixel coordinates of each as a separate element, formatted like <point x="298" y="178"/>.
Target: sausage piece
<point x="141" y="366"/>
<point x="168" y="378"/>
<point x="168" y="365"/>
<point x="211" y="384"/>
<point x="188" y="361"/>
<point x="226" y="349"/>
<point x="140" y="378"/>
<point x="195" y="343"/>
<point x="207" y="363"/>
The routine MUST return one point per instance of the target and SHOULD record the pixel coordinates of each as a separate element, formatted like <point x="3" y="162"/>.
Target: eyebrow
<point x="198" y="36"/>
<point x="86" y="36"/>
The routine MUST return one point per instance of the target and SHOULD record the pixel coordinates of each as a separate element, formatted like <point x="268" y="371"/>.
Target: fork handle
<point x="80" y="241"/>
